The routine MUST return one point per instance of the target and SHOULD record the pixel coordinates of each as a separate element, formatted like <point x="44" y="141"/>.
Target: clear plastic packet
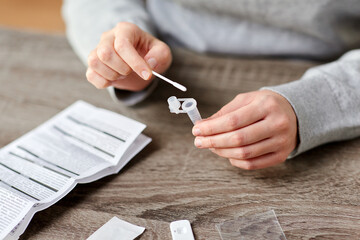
<point x="259" y="226"/>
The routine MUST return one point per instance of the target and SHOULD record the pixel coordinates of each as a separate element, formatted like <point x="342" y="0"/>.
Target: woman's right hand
<point x="125" y="57"/>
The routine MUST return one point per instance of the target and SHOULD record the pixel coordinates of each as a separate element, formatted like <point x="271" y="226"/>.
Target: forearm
<point x="326" y="101"/>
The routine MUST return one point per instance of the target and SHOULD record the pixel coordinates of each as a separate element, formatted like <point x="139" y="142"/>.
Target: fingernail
<point x="196" y="132"/>
<point x="198" y="142"/>
<point x="145" y="75"/>
<point x="121" y="77"/>
<point x="152" y="62"/>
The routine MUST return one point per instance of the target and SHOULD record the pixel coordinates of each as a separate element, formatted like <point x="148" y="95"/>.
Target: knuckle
<point x="243" y="153"/>
<point x="90" y="75"/>
<point x="232" y="162"/>
<point x="97" y="86"/>
<point x="238" y="96"/>
<point x="249" y="165"/>
<point x="105" y="53"/>
<point x="220" y="112"/>
<point x="233" y="120"/>
<point x="282" y="141"/>
<point x="216" y="151"/>
<point x="137" y="66"/>
<point x="93" y="61"/>
<point x="125" y="70"/>
<point x="104" y="35"/>
<point x="212" y="143"/>
<point x="120" y="25"/>
<point x="271" y="103"/>
<point x="283" y="158"/>
<point x="280" y="157"/>
<point x="165" y="52"/>
<point x="167" y="57"/>
<point x="238" y="139"/>
<point x="208" y="129"/>
<point x="121" y="44"/>
<point x="283" y="123"/>
<point x="114" y="76"/>
<point x="102" y="84"/>
<point x="126" y="25"/>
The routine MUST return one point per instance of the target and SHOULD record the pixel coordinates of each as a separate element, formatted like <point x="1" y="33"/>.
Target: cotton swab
<point x="175" y="84"/>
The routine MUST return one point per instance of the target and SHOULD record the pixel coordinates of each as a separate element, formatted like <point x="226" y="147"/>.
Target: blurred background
<point x="40" y="15"/>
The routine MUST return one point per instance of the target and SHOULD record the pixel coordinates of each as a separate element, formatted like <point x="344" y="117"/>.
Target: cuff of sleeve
<point x="314" y="105"/>
<point x="130" y="98"/>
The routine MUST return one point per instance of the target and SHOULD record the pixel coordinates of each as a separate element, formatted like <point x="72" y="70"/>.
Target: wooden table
<point x="315" y="195"/>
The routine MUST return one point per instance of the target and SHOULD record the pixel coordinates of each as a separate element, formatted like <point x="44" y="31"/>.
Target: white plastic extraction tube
<point x="189" y="106"/>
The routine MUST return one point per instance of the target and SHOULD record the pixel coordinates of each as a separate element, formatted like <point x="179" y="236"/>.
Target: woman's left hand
<point x="255" y="130"/>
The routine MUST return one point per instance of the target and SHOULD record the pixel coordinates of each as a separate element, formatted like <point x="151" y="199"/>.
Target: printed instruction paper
<point x="80" y="144"/>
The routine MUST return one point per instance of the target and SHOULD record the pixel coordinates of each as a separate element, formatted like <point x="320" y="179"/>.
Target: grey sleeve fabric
<point x="326" y="101"/>
<point x="129" y="98"/>
<point x="86" y="20"/>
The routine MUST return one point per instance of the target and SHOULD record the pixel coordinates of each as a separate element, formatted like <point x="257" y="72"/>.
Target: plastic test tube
<point x="189" y="106"/>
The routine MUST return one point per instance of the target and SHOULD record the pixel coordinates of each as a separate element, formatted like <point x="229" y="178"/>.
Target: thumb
<point x="159" y="56"/>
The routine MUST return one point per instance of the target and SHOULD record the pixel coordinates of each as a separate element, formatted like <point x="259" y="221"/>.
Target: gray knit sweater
<point x="326" y="99"/>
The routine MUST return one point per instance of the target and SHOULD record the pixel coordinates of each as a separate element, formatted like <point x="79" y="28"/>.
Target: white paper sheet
<point x="117" y="229"/>
<point x="12" y="209"/>
<point x="80" y="144"/>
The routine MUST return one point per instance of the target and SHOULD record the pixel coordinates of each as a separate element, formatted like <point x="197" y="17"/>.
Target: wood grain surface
<point x="315" y="195"/>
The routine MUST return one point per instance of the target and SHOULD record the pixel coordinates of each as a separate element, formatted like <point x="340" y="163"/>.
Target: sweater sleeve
<point x="326" y="101"/>
<point x="86" y="20"/>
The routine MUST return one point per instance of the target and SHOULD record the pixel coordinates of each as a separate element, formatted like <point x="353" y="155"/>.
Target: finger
<point x="242" y="137"/>
<point x="229" y="122"/>
<point x="107" y="54"/>
<point x="132" y="82"/>
<point x="159" y="56"/>
<point x="124" y="46"/>
<point x="250" y="151"/>
<point x="97" y="80"/>
<point x="239" y="101"/>
<point x="264" y="161"/>
<point x="98" y="66"/>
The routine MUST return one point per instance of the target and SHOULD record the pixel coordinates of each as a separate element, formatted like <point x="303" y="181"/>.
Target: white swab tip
<point x="179" y="86"/>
